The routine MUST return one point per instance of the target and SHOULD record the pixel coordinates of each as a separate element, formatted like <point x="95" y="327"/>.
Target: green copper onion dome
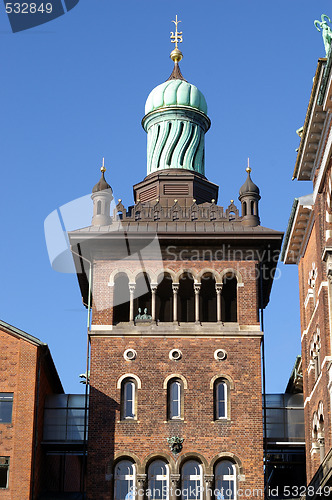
<point x="176" y="92"/>
<point x="176" y="122"/>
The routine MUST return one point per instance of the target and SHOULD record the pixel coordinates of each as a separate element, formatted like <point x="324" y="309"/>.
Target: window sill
<point x="174" y="420"/>
<point x="221" y="421"/>
<point x="128" y="421"/>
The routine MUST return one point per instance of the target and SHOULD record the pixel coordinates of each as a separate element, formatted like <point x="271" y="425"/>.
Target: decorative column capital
<point x="208" y="480"/>
<point x="175" y="287"/>
<point x="141" y="478"/>
<point x="197" y="287"/>
<point x="218" y="287"/>
<point x="132" y="287"/>
<point x="175" y="478"/>
<point x="153" y="287"/>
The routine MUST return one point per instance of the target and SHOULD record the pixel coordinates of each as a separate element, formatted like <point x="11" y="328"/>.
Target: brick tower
<point x="177" y="285"/>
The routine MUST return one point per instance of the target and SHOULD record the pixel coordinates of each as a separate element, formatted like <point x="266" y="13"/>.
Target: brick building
<point x="308" y="244"/>
<point x="177" y="286"/>
<point x="27" y="376"/>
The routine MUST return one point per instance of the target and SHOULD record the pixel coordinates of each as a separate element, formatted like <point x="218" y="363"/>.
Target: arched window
<point x="220" y="399"/>
<point x="225" y="480"/>
<point x="229" y="299"/>
<point x="175" y="399"/>
<point x="124" y="480"/>
<point x="158" y="480"/>
<point x="128" y="399"/>
<point x="121" y="299"/>
<point x="191" y="479"/>
<point x="244" y="208"/>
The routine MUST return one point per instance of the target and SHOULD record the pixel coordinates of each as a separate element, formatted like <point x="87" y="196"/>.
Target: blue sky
<point x="73" y="91"/>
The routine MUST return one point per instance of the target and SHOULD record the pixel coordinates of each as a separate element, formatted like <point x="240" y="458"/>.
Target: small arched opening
<point x="229" y="299"/>
<point x="142" y="296"/>
<point x="208" y="296"/>
<point x="121" y="299"/>
<point x="164" y="297"/>
<point x="186" y="295"/>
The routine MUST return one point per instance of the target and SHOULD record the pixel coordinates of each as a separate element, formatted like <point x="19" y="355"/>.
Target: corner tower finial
<point x="248" y="169"/>
<point x="103" y="168"/>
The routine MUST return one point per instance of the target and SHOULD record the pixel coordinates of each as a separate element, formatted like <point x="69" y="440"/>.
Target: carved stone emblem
<point x="175" y="444"/>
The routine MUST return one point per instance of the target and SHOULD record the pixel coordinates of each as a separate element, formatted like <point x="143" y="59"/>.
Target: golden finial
<point x="103" y="169"/>
<point x="232" y="201"/>
<point x="248" y="169"/>
<point x="176" y="54"/>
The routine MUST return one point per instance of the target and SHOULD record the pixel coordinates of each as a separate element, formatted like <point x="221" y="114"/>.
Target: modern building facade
<point x="177" y="286"/>
<point x="308" y="244"/>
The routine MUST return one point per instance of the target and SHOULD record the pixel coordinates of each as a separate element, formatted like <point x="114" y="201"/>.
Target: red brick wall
<point x="109" y="437"/>
<point x="18" y="375"/>
<point x="314" y="317"/>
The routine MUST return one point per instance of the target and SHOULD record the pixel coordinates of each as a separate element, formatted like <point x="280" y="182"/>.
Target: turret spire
<point x="249" y="197"/>
<point x="176" y="54"/>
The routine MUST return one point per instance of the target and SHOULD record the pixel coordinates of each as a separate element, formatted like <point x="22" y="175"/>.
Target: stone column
<point x="208" y="480"/>
<point x="174" y="485"/>
<point x="154" y="287"/>
<point x="131" y="308"/>
<point x="141" y="478"/>
<point x="219" y="290"/>
<point x="197" y="289"/>
<point x="175" y="288"/>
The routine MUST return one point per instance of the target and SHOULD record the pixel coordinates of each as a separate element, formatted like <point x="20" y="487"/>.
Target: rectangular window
<point x="4" y="472"/>
<point x="6" y="407"/>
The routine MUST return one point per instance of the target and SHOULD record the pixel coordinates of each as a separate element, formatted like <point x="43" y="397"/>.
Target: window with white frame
<point x="191" y="481"/>
<point x="225" y="480"/>
<point x="124" y="480"/>
<point x="158" y="480"/>
<point x="220" y="399"/>
<point x="174" y="399"/>
<point x="128" y="399"/>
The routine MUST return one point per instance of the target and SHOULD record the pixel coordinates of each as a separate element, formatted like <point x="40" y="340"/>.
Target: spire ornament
<point x="176" y="37"/>
<point x="103" y="168"/>
<point x="248" y="169"/>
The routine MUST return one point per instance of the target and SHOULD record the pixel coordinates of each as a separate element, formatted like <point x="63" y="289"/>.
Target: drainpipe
<point x="85" y="443"/>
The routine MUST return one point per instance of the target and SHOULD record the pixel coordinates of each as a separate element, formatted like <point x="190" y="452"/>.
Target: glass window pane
<point x="221" y="400"/>
<point x="129" y="400"/>
<point x="124" y="480"/>
<point x="225" y="480"/>
<point x="191" y="481"/>
<point x="158" y="480"/>
<point x="6" y="407"/>
<point x="175" y="403"/>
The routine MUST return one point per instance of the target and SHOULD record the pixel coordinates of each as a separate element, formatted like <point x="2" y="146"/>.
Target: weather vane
<point x="177" y="36"/>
